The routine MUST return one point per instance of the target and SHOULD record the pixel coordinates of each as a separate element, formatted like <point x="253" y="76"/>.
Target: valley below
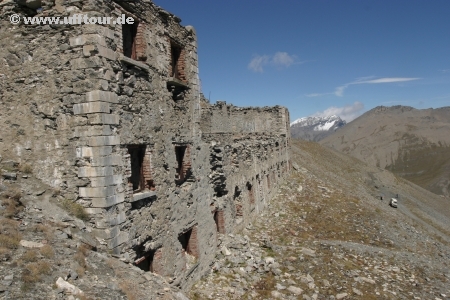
<point x="328" y="235"/>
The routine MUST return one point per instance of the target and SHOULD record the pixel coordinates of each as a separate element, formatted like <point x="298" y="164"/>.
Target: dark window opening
<point x="188" y="241"/>
<point x="150" y="261"/>
<point x="140" y="178"/>
<point x="251" y="195"/>
<point x="175" y="52"/>
<point x="237" y="192"/>
<point x="145" y="262"/>
<point x="219" y="220"/>
<point x="183" y="170"/>
<point x="268" y="181"/>
<point x="137" y="153"/>
<point x="129" y="32"/>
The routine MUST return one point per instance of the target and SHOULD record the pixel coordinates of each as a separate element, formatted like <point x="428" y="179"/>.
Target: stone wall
<point x="128" y="135"/>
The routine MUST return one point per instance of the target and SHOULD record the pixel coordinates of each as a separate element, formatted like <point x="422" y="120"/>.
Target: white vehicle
<point x="393" y="202"/>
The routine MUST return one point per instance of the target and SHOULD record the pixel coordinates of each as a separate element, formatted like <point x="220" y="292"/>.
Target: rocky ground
<point x="47" y="251"/>
<point x="327" y="236"/>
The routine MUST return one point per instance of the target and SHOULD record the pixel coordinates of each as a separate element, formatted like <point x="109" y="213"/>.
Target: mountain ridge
<point x="412" y="143"/>
<point x="315" y="128"/>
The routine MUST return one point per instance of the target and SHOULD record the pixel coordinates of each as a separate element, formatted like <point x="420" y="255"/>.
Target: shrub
<point x="29" y="256"/>
<point x="75" y="209"/>
<point x="9" y="235"/>
<point x="32" y="272"/>
<point x="26" y="168"/>
<point x="14" y="194"/>
<point x="47" y="251"/>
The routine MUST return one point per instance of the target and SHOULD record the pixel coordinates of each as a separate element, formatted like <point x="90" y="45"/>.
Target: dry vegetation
<point x="26" y="168"/>
<point x="9" y="234"/>
<point x="75" y="209"/>
<point x="11" y="202"/>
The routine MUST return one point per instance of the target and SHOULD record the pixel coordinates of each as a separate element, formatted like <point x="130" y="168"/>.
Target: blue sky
<point x="321" y="57"/>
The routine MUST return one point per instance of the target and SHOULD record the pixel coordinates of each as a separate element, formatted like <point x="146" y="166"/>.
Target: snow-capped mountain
<point x="315" y="128"/>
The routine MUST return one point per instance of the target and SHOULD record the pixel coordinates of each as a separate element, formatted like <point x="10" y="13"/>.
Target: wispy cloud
<point x="348" y="112"/>
<point x="339" y="91"/>
<point x="278" y="60"/>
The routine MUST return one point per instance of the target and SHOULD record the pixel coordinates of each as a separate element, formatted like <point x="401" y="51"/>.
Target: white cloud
<point x="257" y="63"/>
<point x="279" y="60"/>
<point x="339" y="91"/>
<point x="347" y="112"/>
<point x="386" y="80"/>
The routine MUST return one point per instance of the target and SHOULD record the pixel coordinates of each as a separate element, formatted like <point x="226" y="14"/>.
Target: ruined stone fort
<point x="112" y="117"/>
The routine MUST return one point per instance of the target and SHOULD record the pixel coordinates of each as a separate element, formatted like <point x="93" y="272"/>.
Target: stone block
<point x="101" y="30"/>
<point x="86" y="62"/>
<point x="87" y="39"/>
<point x="97" y="192"/>
<point x="88" y="49"/>
<point x="95" y="171"/>
<point x="103" y="119"/>
<point x="87" y="131"/>
<point x="121" y="238"/>
<point x="94" y="210"/>
<point x="104" y="140"/>
<point x="91" y="107"/>
<point x="106" y="181"/>
<point x="143" y="195"/>
<point x="102" y="96"/>
<point x="93" y="151"/>
<point x="108" y="233"/>
<point x="108" y="201"/>
<point x="112" y="160"/>
<point x="111" y="220"/>
<point x="106" y="53"/>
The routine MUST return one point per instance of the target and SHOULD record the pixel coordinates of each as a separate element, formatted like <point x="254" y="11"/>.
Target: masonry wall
<point x="74" y="107"/>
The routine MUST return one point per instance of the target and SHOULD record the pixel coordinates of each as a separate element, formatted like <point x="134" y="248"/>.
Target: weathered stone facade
<point x="112" y="117"/>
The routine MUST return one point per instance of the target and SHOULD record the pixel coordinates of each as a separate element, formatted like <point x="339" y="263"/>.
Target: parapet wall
<point x="127" y="135"/>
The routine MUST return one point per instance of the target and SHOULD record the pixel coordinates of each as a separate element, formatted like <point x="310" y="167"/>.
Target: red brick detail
<point x="251" y="195"/>
<point x="192" y="247"/>
<point x="147" y="170"/>
<point x="141" y="43"/>
<point x="177" y="56"/>
<point x="157" y="265"/>
<point x="183" y="156"/>
<point x="239" y="211"/>
<point x="219" y="219"/>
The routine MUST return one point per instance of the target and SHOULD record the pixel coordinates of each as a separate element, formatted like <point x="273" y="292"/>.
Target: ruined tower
<point x="111" y="116"/>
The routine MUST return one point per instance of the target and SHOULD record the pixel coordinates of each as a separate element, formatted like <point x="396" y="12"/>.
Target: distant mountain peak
<point x="315" y="128"/>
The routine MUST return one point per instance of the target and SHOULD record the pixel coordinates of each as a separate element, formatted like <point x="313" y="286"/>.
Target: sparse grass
<point x="9" y="234"/>
<point x="47" y="230"/>
<point x="26" y="169"/>
<point x="80" y="258"/>
<point x="29" y="256"/>
<point x="56" y="192"/>
<point x="12" y="202"/>
<point x="129" y="289"/>
<point x="75" y="209"/>
<point x="47" y="251"/>
<point x="265" y="285"/>
<point x="32" y="273"/>
<point x="14" y="194"/>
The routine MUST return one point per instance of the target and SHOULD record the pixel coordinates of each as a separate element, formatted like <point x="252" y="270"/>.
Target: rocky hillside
<point x="315" y="128"/>
<point x="327" y="235"/>
<point x="47" y="250"/>
<point x="412" y="143"/>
